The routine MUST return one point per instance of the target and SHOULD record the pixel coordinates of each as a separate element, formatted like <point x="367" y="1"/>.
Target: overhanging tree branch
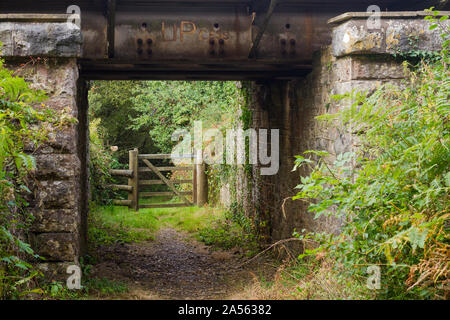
<point x="263" y="28"/>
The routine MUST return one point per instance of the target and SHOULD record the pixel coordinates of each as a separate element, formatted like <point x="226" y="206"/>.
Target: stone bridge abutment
<point x="358" y="58"/>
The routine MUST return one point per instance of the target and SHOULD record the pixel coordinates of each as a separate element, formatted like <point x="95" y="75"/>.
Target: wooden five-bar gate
<point x="199" y="193"/>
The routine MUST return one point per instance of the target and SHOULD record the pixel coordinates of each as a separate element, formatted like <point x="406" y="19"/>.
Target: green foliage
<point x="220" y="174"/>
<point x="100" y="162"/>
<point x="233" y="230"/>
<point x="114" y="224"/>
<point x="164" y="106"/>
<point x="314" y="280"/>
<point x="18" y="121"/>
<point x="110" y="224"/>
<point x="144" y="114"/>
<point x="112" y="102"/>
<point x="216" y="227"/>
<point x="392" y="194"/>
<point x="104" y="286"/>
<point x="91" y="288"/>
<point x="416" y="56"/>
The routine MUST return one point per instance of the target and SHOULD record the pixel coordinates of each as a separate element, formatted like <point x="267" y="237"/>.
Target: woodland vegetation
<point x="393" y="193"/>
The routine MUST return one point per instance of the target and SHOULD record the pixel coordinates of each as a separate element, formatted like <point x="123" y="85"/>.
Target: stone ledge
<point x="33" y="37"/>
<point x="33" y="17"/>
<point x="354" y="37"/>
<point x="384" y="15"/>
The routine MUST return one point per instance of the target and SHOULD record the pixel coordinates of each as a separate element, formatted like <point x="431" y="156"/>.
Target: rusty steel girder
<point x="199" y="39"/>
<point x="190" y="34"/>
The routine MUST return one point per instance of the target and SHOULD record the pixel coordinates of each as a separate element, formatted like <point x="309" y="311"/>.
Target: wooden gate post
<point x="202" y="182"/>
<point x="134" y="180"/>
<point x="194" y="182"/>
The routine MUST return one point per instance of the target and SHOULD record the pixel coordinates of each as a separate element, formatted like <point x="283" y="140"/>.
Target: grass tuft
<point x="213" y="226"/>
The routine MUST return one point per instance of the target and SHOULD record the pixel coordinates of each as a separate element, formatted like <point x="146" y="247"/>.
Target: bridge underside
<point x="199" y="39"/>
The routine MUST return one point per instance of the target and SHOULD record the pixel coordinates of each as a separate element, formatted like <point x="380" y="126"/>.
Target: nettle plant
<point x="21" y="110"/>
<point x="392" y="193"/>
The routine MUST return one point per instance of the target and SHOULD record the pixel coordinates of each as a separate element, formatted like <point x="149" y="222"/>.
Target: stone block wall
<point x="291" y="107"/>
<point x="362" y="60"/>
<point x="55" y="203"/>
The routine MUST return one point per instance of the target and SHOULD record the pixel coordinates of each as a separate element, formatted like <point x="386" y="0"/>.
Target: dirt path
<point x="174" y="266"/>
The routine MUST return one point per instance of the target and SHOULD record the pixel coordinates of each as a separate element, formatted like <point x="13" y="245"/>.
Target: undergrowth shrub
<point x="235" y="230"/>
<point x="104" y="230"/>
<point x="21" y="110"/>
<point x="101" y="160"/>
<point x="392" y="194"/>
<point x="315" y="280"/>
